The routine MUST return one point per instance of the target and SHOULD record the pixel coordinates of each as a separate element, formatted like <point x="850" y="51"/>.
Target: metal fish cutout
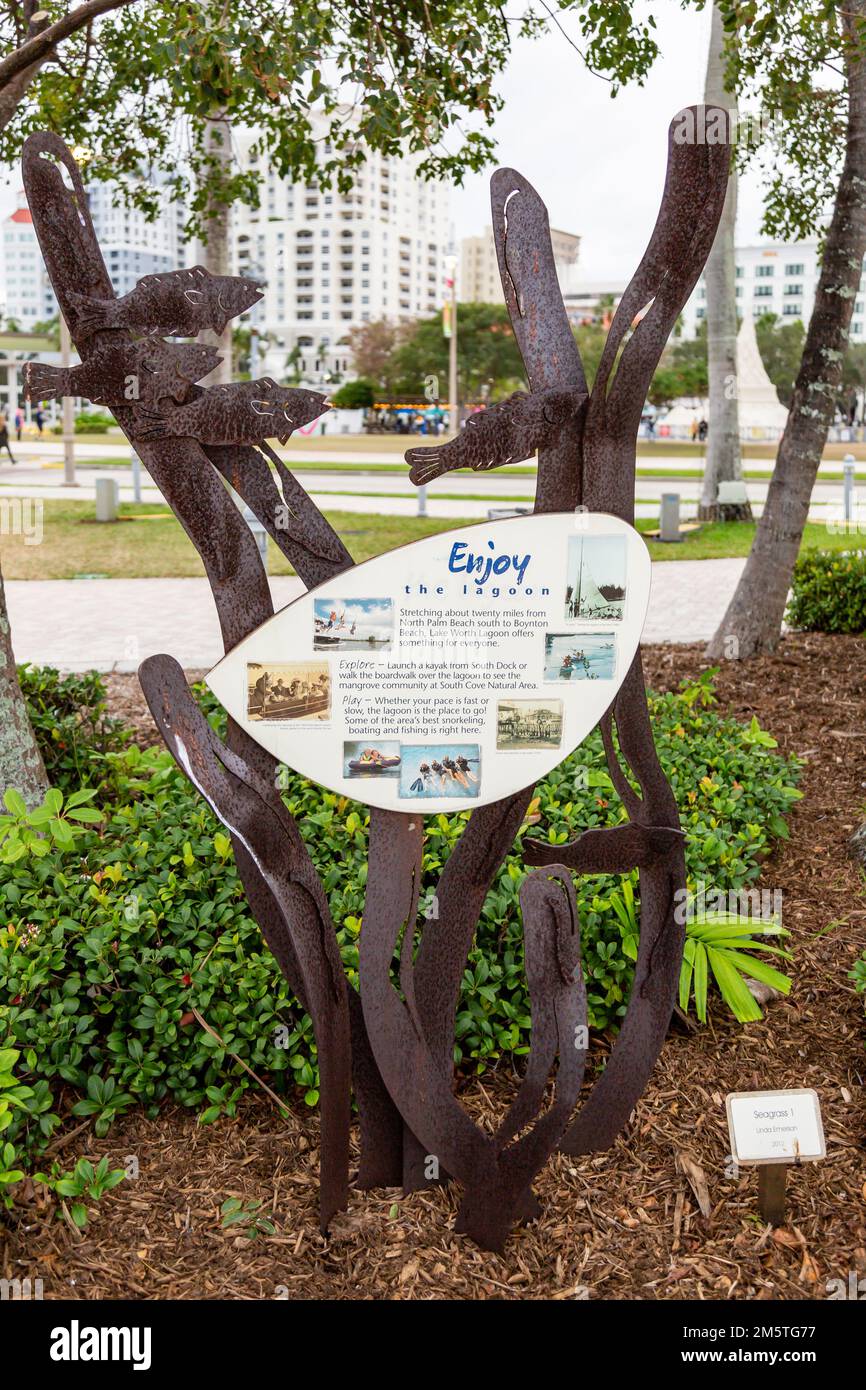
<point x="246" y="412"/>
<point x="147" y="371"/>
<point x="503" y="433"/>
<point x="179" y="303"/>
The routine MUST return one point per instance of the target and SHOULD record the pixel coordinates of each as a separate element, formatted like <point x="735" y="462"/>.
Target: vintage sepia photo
<point x="288" y="690"/>
<point x="528" y="725"/>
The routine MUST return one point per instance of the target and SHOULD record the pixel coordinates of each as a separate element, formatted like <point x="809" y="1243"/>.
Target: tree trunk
<point x="752" y="624"/>
<point x="723" y="462"/>
<point x="21" y="763"/>
<point x="216" y="255"/>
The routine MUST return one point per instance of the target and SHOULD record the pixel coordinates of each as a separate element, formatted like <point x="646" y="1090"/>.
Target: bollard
<point x="261" y="535"/>
<point x="136" y="476"/>
<point x="669" y="518"/>
<point x="848" y="469"/>
<point x="422" y="500"/>
<point x="106" y="499"/>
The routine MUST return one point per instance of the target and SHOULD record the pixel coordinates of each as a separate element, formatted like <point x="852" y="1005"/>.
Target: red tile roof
<point x="22" y="215"/>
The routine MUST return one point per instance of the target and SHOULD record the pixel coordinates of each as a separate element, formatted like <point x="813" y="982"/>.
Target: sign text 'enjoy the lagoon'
<point x="450" y="672"/>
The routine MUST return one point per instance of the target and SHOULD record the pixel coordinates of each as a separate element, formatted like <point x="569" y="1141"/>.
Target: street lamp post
<point x="454" y="408"/>
<point x="68" y="408"/>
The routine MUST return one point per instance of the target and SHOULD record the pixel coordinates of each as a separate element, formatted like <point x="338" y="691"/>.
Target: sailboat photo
<point x="596" y="578"/>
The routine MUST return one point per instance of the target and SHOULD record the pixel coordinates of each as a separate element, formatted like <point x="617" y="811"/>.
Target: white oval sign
<point x="450" y="672"/>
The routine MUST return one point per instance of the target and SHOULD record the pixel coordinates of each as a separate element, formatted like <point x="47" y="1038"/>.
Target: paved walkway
<point x="113" y="624"/>
<point x="392" y="494"/>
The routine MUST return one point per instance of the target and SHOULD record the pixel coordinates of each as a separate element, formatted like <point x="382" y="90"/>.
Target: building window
<point x="762" y="291"/>
<point x="764" y="272"/>
<point x="793" y="289"/>
<point x="791" y="311"/>
<point x="798" y="269"/>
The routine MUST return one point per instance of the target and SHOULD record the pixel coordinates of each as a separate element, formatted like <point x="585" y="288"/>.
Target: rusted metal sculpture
<point x="392" y="1047"/>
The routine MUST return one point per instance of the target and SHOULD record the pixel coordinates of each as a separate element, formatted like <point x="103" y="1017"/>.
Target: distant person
<point x="19" y="424"/>
<point x="694" y="429"/>
<point x="39" y="417"/>
<point x="4" y="437"/>
<point x="703" y="431"/>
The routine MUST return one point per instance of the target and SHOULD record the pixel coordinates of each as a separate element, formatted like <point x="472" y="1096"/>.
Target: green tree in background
<point x="488" y="359"/>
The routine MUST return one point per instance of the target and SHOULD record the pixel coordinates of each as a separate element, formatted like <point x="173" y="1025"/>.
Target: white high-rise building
<point x="331" y="261"/>
<point x="29" y="296"/>
<point x="777" y="278"/>
<point x="131" y="247"/>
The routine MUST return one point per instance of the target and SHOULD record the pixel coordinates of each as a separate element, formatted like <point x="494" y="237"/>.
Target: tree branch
<point x="39" y="47"/>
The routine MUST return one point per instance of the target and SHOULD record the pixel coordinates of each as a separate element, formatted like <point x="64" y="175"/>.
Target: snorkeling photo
<point x="440" y="769"/>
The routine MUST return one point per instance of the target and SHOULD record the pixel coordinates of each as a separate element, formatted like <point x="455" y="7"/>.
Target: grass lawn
<point x="155" y="546"/>
<point x="720" y="540"/>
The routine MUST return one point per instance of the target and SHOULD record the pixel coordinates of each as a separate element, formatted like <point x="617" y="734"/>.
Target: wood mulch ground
<point x="624" y="1224"/>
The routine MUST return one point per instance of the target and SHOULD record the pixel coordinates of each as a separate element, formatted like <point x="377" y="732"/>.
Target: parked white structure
<point x="479" y="281"/>
<point x="777" y="278"/>
<point x="331" y="261"/>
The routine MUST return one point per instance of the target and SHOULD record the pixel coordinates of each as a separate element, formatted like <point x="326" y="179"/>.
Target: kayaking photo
<point x="293" y="690"/>
<point x="353" y="624"/>
<point x="440" y="769"/>
<point x="525" y="725"/>
<point x="361" y="758"/>
<point x="579" y="656"/>
<point x="595" y="578"/>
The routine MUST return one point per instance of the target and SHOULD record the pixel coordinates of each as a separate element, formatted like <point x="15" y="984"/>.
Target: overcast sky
<point x="599" y="163"/>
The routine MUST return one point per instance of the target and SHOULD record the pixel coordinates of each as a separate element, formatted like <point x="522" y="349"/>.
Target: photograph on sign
<point x="579" y="656"/>
<point x="775" y="1126"/>
<point x="418" y="679"/>
<point x="596" y="578"/>
<point x="431" y="769"/>
<point x="377" y="760"/>
<point x="288" y="690"/>
<point x="354" y="625"/>
<point x="524" y="725"/>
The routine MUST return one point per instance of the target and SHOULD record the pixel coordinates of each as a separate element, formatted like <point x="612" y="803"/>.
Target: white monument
<point x="761" y="412"/>
<point x="762" y="415"/>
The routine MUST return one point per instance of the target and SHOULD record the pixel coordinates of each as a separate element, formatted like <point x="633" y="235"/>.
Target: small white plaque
<point x="776" y="1126"/>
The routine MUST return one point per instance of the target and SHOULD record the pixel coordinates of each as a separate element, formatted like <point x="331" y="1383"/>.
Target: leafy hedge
<point x="107" y="950"/>
<point x="829" y="591"/>
<point x="73" y="728"/>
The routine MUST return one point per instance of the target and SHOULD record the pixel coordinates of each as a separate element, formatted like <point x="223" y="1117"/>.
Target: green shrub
<point x="93" y="422"/>
<point x="72" y="727"/>
<point x="355" y="395"/>
<point x="829" y="591"/>
<point x="109" y="947"/>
